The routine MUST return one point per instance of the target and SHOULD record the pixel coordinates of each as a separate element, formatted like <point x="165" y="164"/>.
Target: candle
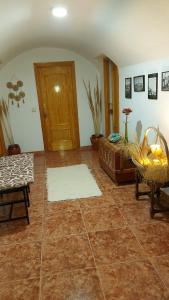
<point x="156" y="149"/>
<point x="156" y="162"/>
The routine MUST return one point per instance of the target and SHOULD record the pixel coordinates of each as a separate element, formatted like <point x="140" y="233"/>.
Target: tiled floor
<point x="100" y="248"/>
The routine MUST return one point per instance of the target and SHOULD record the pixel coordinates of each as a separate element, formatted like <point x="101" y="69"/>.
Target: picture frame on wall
<point x="153" y="86"/>
<point x="165" y="81"/>
<point x="128" y="88"/>
<point x="139" y="83"/>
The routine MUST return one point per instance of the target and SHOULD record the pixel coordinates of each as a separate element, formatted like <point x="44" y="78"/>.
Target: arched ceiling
<point x="127" y="31"/>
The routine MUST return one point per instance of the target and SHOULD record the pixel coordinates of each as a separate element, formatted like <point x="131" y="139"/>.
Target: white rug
<point x="71" y="182"/>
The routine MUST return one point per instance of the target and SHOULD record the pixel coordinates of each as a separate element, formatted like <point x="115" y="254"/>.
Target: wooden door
<point x="56" y="87"/>
<point x="106" y="95"/>
<point x="115" y="97"/>
<point x="111" y="112"/>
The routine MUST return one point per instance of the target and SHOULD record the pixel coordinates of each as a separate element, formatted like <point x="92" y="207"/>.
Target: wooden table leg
<point x="137" y="184"/>
<point x="152" y="199"/>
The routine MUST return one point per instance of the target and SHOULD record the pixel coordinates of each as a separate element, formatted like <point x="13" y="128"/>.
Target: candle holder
<point x="126" y="111"/>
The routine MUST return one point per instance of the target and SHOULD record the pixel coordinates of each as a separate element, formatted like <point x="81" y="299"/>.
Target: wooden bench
<point x="16" y="173"/>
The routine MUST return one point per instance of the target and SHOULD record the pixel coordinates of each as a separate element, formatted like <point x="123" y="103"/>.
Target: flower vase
<point x="126" y="130"/>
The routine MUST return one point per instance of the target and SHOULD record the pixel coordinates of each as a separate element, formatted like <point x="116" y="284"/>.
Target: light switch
<point x="33" y="109"/>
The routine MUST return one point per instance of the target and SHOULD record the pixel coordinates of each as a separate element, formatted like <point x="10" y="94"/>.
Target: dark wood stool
<point x="154" y="193"/>
<point x="11" y="203"/>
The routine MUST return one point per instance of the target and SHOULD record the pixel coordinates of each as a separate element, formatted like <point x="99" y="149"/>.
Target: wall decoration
<point x="152" y="86"/>
<point x="165" y="81"/>
<point x="17" y="94"/>
<point x="139" y="83"/>
<point x="128" y="88"/>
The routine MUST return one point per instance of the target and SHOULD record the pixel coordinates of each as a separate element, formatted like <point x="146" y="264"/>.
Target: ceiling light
<point x="59" y="12"/>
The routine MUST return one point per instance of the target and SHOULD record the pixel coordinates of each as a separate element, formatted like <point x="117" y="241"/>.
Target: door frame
<point x="115" y="95"/>
<point x="2" y="141"/>
<point x="37" y="67"/>
<point x="106" y="95"/>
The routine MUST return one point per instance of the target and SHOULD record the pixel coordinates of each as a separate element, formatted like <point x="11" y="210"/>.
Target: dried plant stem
<point x="5" y="121"/>
<point x="95" y="104"/>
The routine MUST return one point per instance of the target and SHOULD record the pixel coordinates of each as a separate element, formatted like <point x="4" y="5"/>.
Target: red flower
<point x="126" y="111"/>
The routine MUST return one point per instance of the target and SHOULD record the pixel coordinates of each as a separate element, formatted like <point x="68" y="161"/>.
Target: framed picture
<point x="139" y="83"/>
<point x="128" y="88"/>
<point x="165" y="81"/>
<point x="152" y="86"/>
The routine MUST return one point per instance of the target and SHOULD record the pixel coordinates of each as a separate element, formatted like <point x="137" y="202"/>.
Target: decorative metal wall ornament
<point x="18" y="95"/>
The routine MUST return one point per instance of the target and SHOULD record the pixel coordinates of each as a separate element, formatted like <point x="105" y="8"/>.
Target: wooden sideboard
<point x="115" y="163"/>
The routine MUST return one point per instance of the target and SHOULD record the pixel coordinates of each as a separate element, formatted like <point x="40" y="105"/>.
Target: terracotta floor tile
<point x="106" y="186"/>
<point x="67" y="204"/>
<point x="26" y="289"/>
<point x="67" y="253"/>
<point x="124" y="198"/>
<point x="136" y="215"/>
<point x="19" y="251"/>
<point x="6" y="292"/>
<point x="103" y="218"/>
<point x="154" y="238"/>
<point x="140" y="214"/>
<point x="79" y="284"/>
<point x="20" y="231"/>
<point x="37" y="190"/>
<point x="161" y="263"/>
<point x="35" y="211"/>
<point x="20" y="290"/>
<point x="130" y="201"/>
<point x="36" y="199"/>
<point x="19" y="261"/>
<point x="19" y="270"/>
<point x="65" y="263"/>
<point x="63" y="222"/>
<point x="115" y="245"/>
<point x="132" y="281"/>
<point x="102" y="201"/>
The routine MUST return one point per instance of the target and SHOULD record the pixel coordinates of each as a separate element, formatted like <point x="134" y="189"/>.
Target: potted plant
<point x="7" y="130"/>
<point x="95" y="104"/>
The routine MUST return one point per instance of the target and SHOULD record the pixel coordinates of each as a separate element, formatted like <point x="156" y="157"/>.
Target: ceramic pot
<point x="95" y="141"/>
<point x="14" y="149"/>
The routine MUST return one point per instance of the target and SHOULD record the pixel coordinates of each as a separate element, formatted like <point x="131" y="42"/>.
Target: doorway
<point x="56" y="88"/>
<point x="111" y="96"/>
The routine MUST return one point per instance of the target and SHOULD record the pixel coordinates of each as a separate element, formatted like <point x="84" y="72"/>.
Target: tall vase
<point x="126" y="130"/>
<point x="95" y="141"/>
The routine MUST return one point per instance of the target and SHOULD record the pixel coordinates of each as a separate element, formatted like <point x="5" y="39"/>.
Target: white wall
<point x="25" y="123"/>
<point x="150" y="112"/>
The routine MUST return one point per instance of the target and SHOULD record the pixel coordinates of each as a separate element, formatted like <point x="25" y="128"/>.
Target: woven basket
<point x="154" y="172"/>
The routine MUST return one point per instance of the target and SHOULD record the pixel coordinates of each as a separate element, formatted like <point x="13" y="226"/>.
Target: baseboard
<point x="86" y="148"/>
<point x="38" y="153"/>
